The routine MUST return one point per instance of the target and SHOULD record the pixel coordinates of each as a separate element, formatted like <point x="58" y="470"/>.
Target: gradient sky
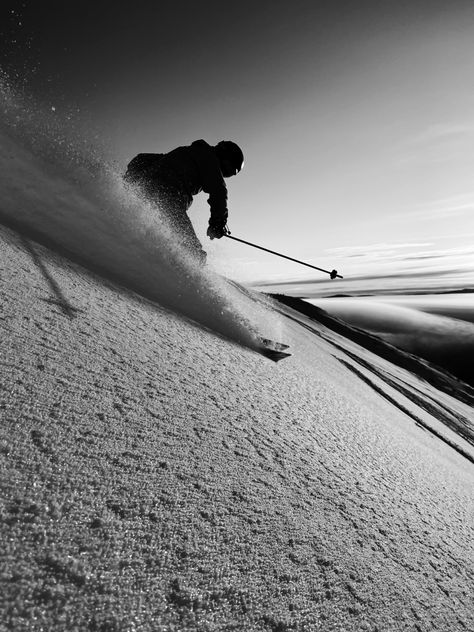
<point x="356" y="118"/>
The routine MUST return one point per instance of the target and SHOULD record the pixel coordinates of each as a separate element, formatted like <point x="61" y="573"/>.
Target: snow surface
<point x="156" y="476"/>
<point x="159" y="474"/>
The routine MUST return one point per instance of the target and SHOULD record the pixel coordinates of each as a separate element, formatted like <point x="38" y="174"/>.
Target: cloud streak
<point x="439" y="142"/>
<point x="373" y="248"/>
<point x="440" y="132"/>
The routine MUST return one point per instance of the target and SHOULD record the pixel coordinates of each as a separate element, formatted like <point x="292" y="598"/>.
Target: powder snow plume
<point x="56" y="187"/>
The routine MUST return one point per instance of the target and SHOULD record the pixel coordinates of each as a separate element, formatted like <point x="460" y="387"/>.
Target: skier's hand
<point x="217" y="229"/>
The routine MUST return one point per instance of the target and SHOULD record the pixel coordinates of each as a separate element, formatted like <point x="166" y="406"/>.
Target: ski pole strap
<point x="332" y="273"/>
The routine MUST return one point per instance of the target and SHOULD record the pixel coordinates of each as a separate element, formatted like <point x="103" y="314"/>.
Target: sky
<point x="356" y="120"/>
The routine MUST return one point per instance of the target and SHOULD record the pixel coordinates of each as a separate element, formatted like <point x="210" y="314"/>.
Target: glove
<point x="217" y="229"/>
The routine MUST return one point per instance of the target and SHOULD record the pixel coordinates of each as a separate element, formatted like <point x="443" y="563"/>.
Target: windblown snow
<point x="56" y="188"/>
<point x="156" y="476"/>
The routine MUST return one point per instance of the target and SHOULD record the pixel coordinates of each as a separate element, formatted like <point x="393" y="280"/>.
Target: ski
<point x="273" y="350"/>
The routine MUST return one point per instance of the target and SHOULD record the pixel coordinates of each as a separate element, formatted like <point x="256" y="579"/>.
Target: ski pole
<point x="333" y="273"/>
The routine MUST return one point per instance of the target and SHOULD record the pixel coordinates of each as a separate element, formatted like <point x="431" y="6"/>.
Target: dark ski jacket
<point x="187" y="170"/>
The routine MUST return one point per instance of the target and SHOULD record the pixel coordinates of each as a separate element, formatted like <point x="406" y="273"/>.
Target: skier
<point x="173" y="179"/>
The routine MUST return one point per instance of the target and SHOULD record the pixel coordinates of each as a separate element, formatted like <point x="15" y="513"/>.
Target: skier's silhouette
<point x="173" y="179"/>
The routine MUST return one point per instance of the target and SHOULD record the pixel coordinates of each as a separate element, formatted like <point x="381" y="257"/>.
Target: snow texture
<point x="158" y="474"/>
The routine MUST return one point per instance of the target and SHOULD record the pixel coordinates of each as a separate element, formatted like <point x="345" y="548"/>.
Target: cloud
<point x="387" y="272"/>
<point x="446" y="208"/>
<point x="422" y="256"/>
<point x="447" y="253"/>
<point x="461" y="204"/>
<point x="438" y="143"/>
<point x="364" y="277"/>
<point x="382" y="248"/>
<point x="395" y="263"/>
<point x="441" y="132"/>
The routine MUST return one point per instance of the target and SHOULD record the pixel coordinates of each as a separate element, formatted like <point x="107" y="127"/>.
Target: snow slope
<point x="157" y="476"/>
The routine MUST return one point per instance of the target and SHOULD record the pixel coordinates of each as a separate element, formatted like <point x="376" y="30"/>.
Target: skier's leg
<point x="173" y="204"/>
<point x="187" y="236"/>
<point x="175" y="207"/>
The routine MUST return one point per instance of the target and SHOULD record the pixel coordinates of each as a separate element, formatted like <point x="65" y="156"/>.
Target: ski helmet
<point x="230" y="152"/>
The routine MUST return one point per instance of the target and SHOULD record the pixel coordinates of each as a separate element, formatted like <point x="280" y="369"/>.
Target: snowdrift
<point x="155" y="476"/>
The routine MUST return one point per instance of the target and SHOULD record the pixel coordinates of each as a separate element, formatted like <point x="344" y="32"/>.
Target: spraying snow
<point x="58" y="189"/>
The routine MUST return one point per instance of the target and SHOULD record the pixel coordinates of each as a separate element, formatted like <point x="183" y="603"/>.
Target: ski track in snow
<point x="57" y="190"/>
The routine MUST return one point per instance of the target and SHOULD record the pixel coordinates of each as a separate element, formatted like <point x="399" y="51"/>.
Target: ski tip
<point x="271" y="344"/>
<point x="275" y="351"/>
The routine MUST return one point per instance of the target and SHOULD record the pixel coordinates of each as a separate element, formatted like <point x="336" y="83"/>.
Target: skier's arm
<point x="217" y="200"/>
<point x="212" y="181"/>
